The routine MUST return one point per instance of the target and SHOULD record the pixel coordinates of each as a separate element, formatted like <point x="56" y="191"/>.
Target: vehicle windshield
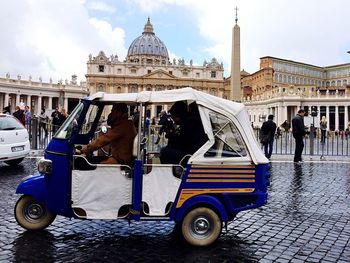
<point x="8" y="123"/>
<point x="66" y="129"/>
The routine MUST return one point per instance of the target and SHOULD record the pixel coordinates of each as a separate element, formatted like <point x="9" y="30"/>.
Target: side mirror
<point x="104" y="129"/>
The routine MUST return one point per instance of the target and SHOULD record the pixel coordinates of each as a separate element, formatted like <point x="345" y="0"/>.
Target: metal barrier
<point x="40" y="133"/>
<point x="334" y="145"/>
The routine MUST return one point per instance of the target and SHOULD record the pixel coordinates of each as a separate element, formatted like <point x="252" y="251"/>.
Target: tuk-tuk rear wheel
<point x="32" y="215"/>
<point x="201" y="226"/>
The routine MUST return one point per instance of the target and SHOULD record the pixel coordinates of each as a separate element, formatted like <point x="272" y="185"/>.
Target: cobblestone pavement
<point x="307" y="219"/>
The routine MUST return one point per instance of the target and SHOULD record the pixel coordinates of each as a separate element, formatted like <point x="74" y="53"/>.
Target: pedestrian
<point x="43" y="121"/>
<point x="323" y="127"/>
<point x="7" y="110"/>
<point x="136" y="118"/>
<point x="298" y="129"/>
<point x="28" y="116"/>
<point x="267" y="131"/>
<point x="165" y="122"/>
<point x="19" y="114"/>
<point x="55" y="115"/>
<point x="285" y="125"/>
<point x="63" y="116"/>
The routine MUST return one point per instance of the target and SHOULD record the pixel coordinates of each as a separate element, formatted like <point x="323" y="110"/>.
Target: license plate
<point x="17" y="148"/>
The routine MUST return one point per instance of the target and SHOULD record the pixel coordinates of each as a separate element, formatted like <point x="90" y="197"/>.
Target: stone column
<point x="318" y="118"/>
<point x="38" y="109"/>
<point x="49" y="107"/>
<point x="29" y="101"/>
<point x="336" y="118"/>
<point x="280" y="115"/>
<point x="65" y="104"/>
<point x="327" y="117"/>
<point x="18" y="97"/>
<point x="6" y="99"/>
<point x="153" y="111"/>
<point x="346" y="116"/>
<point x="1" y="102"/>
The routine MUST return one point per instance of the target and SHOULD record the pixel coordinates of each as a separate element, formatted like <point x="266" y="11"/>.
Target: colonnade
<point x="35" y="102"/>
<point x="338" y="121"/>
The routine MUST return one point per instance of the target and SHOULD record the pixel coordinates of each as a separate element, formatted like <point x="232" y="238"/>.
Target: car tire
<point x="32" y="215"/>
<point x="201" y="226"/>
<point x="14" y="162"/>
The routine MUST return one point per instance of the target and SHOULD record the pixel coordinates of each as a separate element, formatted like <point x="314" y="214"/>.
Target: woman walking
<point x="323" y="126"/>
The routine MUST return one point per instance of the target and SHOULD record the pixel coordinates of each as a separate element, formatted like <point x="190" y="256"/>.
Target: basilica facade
<point x="147" y="67"/>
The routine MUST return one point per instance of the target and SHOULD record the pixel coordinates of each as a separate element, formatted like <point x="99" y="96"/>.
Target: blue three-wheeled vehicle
<point x="226" y="175"/>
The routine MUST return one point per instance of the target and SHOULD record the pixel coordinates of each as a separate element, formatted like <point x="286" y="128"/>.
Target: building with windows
<point x="281" y="87"/>
<point x="147" y="67"/>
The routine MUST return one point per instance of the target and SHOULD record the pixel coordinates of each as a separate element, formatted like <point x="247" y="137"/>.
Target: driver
<point x="120" y="137"/>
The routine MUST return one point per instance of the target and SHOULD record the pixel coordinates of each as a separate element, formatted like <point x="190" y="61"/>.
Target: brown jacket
<point x="121" y="138"/>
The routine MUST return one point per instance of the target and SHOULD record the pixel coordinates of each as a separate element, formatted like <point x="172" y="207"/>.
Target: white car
<point x="14" y="140"/>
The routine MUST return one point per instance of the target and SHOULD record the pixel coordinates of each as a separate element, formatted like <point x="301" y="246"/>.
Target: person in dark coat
<point x="298" y="129"/>
<point x="56" y="119"/>
<point x="19" y="114"/>
<point x="268" y="130"/>
<point x="166" y="123"/>
<point x="7" y="110"/>
<point x="136" y="118"/>
<point x="188" y="137"/>
<point x="120" y="136"/>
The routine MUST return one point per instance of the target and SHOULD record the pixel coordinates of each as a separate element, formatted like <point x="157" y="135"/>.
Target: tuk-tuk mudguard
<point x="201" y="200"/>
<point x="34" y="186"/>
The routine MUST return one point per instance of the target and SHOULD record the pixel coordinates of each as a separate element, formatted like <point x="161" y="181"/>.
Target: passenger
<point x="187" y="138"/>
<point x="120" y="137"/>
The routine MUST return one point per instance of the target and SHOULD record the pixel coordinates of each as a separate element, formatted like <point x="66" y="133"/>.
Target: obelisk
<point x="236" y="63"/>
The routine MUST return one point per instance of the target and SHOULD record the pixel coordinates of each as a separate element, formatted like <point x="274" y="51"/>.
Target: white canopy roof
<point x="226" y="107"/>
<point x="170" y="96"/>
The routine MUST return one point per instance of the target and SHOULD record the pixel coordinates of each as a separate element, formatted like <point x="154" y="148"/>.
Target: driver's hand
<point x="78" y="149"/>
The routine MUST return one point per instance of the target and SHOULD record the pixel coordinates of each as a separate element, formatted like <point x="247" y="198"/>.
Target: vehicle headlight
<point x="45" y="166"/>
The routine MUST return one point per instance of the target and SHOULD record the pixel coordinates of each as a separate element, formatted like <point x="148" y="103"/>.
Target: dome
<point x="148" y="45"/>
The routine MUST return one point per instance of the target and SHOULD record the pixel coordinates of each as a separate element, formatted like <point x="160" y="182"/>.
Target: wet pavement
<point x="307" y="219"/>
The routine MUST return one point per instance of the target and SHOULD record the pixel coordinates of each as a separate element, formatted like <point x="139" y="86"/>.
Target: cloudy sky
<point x="53" y="38"/>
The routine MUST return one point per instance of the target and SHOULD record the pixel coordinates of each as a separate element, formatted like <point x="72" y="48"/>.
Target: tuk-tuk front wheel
<point x="32" y="215"/>
<point x="201" y="226"/>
